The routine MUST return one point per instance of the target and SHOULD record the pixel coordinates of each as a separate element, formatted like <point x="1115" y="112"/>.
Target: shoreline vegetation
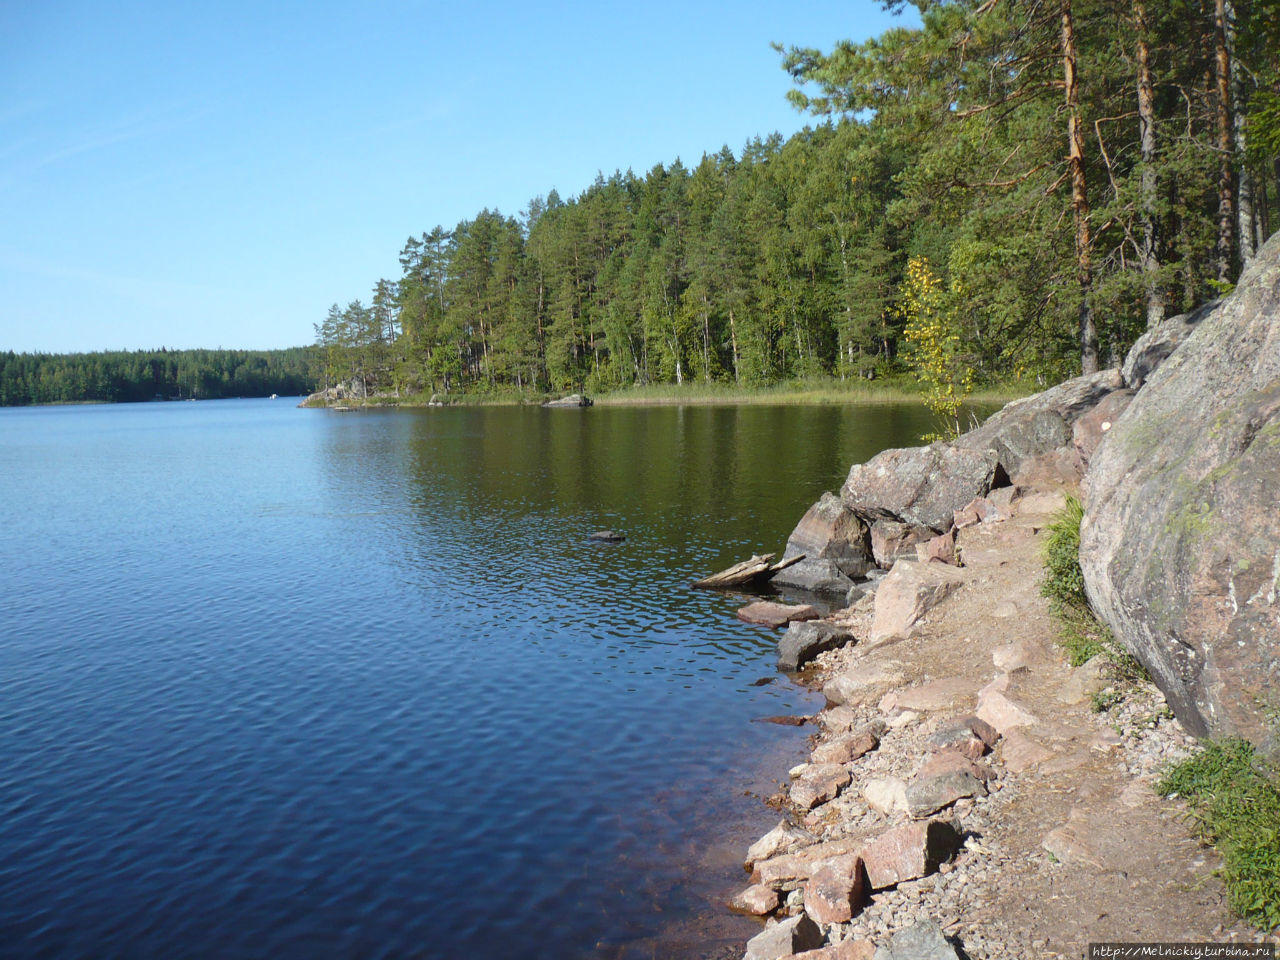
<point x="813" y="391"/>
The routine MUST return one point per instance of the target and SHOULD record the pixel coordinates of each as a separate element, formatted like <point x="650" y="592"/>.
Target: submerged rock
<point x="607" y="536"/>
<point x="781" y="839"/>
<point x="756" y="900"/>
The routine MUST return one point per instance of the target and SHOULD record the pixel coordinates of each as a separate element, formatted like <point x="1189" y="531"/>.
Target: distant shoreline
<point x="835" y="392"/>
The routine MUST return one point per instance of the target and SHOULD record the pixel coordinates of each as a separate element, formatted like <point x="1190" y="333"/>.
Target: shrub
<point x="1080" y="635"/>
<point x="1064" y="580"/>
<point x="935" y="351"/>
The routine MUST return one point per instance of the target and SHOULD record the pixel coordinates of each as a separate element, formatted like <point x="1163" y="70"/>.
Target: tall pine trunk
<point x="1147" y="132"/>
<point x="733" y="338"/>
<point x="1246" y="215"/>
<point x="1226" y="188"/>
<point x="1079" y="196"/>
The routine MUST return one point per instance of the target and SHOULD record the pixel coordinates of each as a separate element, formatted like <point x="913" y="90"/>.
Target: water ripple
<point x="281" y="684"/>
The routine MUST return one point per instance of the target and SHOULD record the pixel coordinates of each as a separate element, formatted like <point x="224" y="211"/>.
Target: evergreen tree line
<point x="1065" y="172"/>
<point x="120" y="376"/>
<point x="1058" y="174"/>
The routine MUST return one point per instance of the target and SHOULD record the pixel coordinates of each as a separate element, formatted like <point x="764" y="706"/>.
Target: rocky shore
<point x="960" y="784"/>
<point x="968" y="793"/>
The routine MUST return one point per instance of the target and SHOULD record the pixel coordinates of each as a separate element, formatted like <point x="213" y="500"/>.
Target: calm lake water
<point x="292" y="683"/>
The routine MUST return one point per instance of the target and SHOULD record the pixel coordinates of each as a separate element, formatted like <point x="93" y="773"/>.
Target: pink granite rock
<point x="833" y="894"/>
<point x="906" y="594"/>
<point x="910" y="851"/>
<point x="771" y="614"/>
<point x="757" y="900"/>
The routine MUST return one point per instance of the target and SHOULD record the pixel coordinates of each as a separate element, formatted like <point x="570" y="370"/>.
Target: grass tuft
<point x="1080" y="634"/>
<point x="1234" y="797"/>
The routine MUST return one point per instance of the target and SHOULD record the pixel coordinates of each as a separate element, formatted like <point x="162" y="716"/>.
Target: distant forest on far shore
<point x="124" y="376"/>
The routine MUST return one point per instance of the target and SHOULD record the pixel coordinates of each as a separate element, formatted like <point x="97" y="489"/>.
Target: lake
<point x="300" y="683"/>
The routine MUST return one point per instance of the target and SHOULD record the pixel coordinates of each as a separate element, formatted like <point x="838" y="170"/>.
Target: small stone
<point x="952" y="761"/>
<point x="756" y="901"/>
<point x="981" y="728"/>
<point x="888" y="795"/>
<point x="818" y="784"/>
<point x="847" y="748"/>
<point x="833" y="894"/>
<point x="1019" y="752"/>
<point x="805" y="639"/>
<point x="862" y="684"/>
<point x="856" y="949"/>
<point x="922" y="941"/>
<point x="1003" y="499"/>
<point x="939" y="549"/>
<point x="785" y="938"/>
<point x="891" y="540"/>
<point x="909" y="592"/>
<point x="933" y="696"/>
<point x="858" y="591"/>
<point x="903" y="719"/>
<point x="910" y="851"/>
<point x="607" y="536"/>
<point x="838" y="719"/>
<point x="1011" y="655"/>
<point x="1002" y="713"/>
<point x="929" y="795"/>
<point x="771" y="614"/>
<point x="785" y="836"/>
<point x="1104" y="741"/>
<point x="960" y="738"/>
<point x="1084" y="681"/>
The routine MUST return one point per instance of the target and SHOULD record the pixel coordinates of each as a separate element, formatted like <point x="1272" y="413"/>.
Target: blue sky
<point x="189" y="174"/>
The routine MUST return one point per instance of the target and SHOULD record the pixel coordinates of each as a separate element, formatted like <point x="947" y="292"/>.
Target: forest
<point x="1015" y="189"/>
<point x="1012" y="191"/>
<point x="123" y="376"/>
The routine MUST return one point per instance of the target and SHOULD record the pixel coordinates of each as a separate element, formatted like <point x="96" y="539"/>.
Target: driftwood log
<point x="756" y="570"/>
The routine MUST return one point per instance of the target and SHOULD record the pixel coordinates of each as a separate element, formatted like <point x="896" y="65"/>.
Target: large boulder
<point x="1088" y="431"/>
<point x="1156" y="345"/>
<point x="835" y="545"/>
<point x="919" y="485"/>
<point x="1029" y="434"/>
<point x="1180" y="542"/>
